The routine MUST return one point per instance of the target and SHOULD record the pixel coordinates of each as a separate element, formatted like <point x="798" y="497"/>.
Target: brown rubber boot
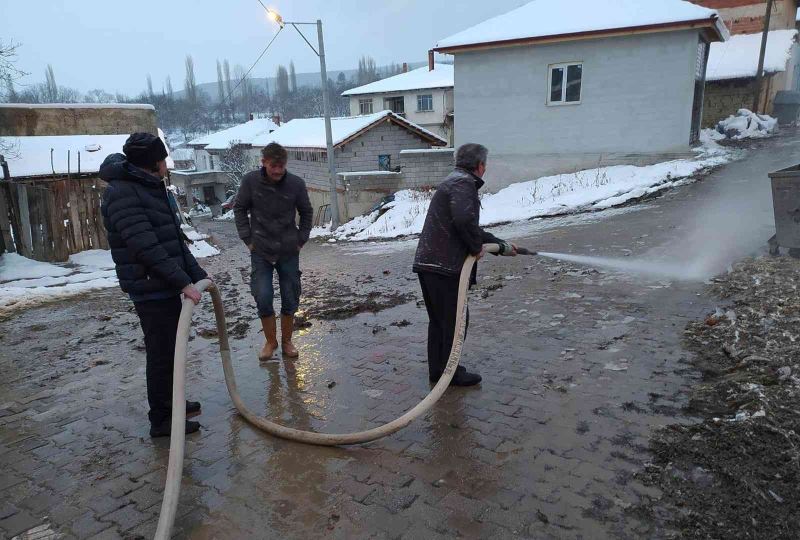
<point x="270" y="334"/>
<point x="287" y="327"/>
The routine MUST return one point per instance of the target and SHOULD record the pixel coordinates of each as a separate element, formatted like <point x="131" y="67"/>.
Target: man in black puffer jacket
<point x="451" y="232"/>
<point x="153" y="263"/>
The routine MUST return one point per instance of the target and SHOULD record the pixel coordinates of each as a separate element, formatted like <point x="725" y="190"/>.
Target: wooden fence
<point x="49" y="219"/>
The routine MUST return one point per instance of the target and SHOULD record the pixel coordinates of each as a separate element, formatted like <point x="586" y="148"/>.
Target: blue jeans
<point x="263" y="290"/>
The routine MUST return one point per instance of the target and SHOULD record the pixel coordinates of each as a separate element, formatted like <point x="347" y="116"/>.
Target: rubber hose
<point x="169" y="505"/>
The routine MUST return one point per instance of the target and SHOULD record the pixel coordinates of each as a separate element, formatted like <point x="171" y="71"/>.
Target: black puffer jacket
<point x="451" y="230"/>
<point x="266" y="213"/>
<point x="147" y="244"/>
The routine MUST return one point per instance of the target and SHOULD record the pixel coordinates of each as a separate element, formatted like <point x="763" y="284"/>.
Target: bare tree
<point x="236" y="162"/>
<point x="170" y="92"/>
<point x="190" y="84"/>
<point x="8" y="59"/>
<point x="292" y="78"/>
<point x="226" y="70"/>
<point x="98" y="95"/>
<point x="51" y="87"/>
<point x="220" y="83"/>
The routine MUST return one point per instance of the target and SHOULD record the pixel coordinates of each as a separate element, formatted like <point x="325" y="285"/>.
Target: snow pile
<point x="24" y="282"/>
<point x="227" y="216"/>
<point x="200" y="210"/>
<point x="201" y="249"/>
<point x="588" y="190"/>
<point x="737" y="58"/>
<point x="747" y="125"/>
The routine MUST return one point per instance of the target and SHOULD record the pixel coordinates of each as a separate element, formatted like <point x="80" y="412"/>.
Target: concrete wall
<point x="19" y="120"/>
<point x="637" y="96"/>
<point x="433" y="121"/>
<point x="425" y="168"/>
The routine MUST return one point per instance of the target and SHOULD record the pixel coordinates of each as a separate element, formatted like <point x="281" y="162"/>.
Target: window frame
<point x="395" y="99"/>
<point x="364" y="101"/>
<point x="565" y="66"/>
<point x="420" y="97"/>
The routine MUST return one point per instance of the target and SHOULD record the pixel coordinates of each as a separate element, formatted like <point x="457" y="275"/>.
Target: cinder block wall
<point x="21" y="120"/>
<point x="425" y="168"/>
<point x="724" y="98"/>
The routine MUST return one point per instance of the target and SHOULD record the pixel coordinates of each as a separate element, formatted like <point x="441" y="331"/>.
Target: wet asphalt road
<point x="579" y="368"/>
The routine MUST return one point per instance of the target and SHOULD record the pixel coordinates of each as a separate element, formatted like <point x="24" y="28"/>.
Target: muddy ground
<point x="736" y="473"/>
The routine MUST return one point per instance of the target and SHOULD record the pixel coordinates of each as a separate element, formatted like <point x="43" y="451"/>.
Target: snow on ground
<point x="24" y="282"/>
<point x="588" y="190"/>
<point x="227" y="216"/>
<point x="745" y="125"/>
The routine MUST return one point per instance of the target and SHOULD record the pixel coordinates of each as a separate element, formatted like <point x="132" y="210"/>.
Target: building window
<point x="425" y="102"/>
<point x="385" y="162"/>
<point x="211" y="161"/>
<point x="365" y="106"/>
<point x="564" y="84"/>
<point x="396" y="105"/>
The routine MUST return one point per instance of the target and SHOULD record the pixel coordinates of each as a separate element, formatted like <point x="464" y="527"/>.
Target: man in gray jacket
<point x="451" y="232"/>
<point x="266" y="208"/>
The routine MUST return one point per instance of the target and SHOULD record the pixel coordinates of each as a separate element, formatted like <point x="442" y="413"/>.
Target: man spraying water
<point x="451" y="232"/>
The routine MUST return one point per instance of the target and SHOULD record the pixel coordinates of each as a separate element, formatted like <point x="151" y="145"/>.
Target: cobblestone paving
<point x="579" y="367"/>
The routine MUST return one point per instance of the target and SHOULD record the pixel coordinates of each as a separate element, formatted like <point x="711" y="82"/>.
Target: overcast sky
<point x="114" y="45"/>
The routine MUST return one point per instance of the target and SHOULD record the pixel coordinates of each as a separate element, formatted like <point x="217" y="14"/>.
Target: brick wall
<point x="747" y="16"/>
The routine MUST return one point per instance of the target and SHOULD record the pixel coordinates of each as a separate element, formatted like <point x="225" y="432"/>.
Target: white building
<point x="557" y="86"/>
<point x="207" y="183"/>
<point x="423" y="96"/>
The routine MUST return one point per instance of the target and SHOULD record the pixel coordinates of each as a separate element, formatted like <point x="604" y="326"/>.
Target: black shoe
<point x="192" y="407"/>
<point x="462" y="377"/>
<point x="164" y="429"/>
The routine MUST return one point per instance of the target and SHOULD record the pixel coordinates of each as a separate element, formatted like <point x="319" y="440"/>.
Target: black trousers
<point x="159" y="320"/>
<point x="441" y="300"/>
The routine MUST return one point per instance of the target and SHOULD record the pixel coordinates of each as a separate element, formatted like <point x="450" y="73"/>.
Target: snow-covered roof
<point x="551" y="18"/>
<point x="417" y="79"/>
<point x="243" y="133"/>
<point x="310" y="132"/>
<point x="183" y="154"/>
<point x="145" y="106"/>
<point x="30" y="156"/>
<point x="737" y="58"/>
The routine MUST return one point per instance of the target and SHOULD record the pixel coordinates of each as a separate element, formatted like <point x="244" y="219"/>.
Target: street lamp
<point x="275" y="16"/>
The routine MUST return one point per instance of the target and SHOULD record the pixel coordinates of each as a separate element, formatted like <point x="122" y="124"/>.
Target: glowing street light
<point x="276" y="17"/>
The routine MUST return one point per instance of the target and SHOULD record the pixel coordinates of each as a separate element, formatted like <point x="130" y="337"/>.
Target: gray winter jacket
<point x="451" y="230"/>
<point x="265" y="214"/>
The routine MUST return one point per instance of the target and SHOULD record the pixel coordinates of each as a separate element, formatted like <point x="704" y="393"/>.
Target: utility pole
<point x="328" y="132"/>
<point x="759" y="73"/>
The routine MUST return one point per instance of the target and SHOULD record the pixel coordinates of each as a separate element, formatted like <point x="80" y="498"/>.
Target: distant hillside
<point x="303" y="79"/>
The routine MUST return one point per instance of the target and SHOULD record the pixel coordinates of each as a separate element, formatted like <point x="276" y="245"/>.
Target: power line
<point x="229" y="97"/>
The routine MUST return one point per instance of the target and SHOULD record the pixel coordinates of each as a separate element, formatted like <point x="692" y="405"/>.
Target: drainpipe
<point x="4" y="165"/>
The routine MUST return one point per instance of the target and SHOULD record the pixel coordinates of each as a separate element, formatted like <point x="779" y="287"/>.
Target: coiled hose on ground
<point x="172" y="488"/>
